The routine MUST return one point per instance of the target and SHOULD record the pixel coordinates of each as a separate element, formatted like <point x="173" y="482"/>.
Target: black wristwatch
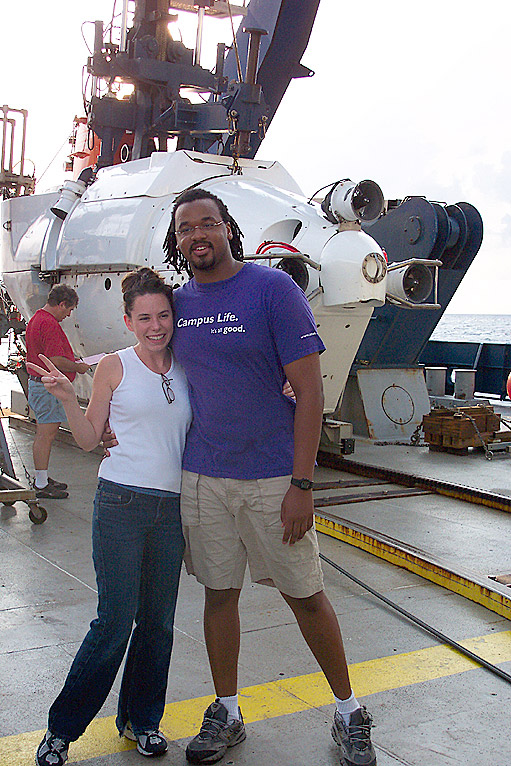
<point x="302" y="483"/>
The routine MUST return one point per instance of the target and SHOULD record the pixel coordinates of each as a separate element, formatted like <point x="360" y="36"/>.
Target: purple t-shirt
<point x="233" y="338"/>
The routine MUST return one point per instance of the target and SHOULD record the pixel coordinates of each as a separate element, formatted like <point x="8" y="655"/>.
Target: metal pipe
<point x="12" y="123"/>
<point x="98" y="50"/>
<point x="23" y="141"/>
<point x="219" y="66"/>
<point x="411" y="262"/>
<point x="98" y="37"/>
<point x="4" y="134"/>
<point x="198" y="40"/>
<point x="424" y="625"/>
<point x="292" y="256"/>
<point x="124" y="25"/>
<point x="254" y="44"/>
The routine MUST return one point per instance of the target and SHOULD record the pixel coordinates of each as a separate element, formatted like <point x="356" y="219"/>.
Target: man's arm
<point x="304" y="375"/>
<point x="64" y="364"/>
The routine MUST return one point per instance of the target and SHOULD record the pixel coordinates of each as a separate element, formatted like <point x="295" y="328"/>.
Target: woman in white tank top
<point x="136" y="528"/>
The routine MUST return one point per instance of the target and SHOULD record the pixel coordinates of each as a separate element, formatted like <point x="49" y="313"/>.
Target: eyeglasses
<point x="167" y="390"/>
<point x="185" y="231"/>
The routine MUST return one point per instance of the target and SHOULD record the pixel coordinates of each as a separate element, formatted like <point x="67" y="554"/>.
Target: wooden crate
<point x="455" y="429"/>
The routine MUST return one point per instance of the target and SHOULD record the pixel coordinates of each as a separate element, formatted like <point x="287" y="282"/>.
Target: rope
<point x="53" y="158"/>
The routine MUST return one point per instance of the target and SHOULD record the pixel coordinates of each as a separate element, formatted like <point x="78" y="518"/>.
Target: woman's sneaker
<point x="148" y="743"/>
<point x="354" y="738"/>
<point x="215" y="736"/>
<point x="52" y="751"/>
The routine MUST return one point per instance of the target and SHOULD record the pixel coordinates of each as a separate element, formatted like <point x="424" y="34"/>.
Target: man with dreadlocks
<point x="247" y="478"/>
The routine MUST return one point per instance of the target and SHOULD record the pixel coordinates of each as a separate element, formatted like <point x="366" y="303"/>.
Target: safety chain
<point x="416" y="436"/>
<point x="487" y="452"/>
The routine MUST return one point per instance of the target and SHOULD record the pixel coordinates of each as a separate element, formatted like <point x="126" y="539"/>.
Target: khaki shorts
<point x="229" y="521"/>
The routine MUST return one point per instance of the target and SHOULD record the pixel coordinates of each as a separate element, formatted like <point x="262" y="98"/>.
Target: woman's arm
<point x="86" y="428"/>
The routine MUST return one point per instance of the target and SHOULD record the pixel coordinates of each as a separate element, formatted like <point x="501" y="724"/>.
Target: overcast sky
<point x="414" y="95"/>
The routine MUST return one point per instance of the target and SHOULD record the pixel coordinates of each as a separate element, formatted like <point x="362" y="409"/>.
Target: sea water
<point x="474" y="328"/>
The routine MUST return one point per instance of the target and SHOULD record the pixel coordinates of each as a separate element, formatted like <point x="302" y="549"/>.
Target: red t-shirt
<point x="44" y="335"/>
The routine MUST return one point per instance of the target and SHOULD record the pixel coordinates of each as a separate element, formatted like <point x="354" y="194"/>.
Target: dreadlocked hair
<point x="141" y="282"/>
<point x="173" y="255"/>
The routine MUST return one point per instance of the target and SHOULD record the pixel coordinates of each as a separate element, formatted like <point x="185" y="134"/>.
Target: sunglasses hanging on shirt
<point x="167" y="390"/>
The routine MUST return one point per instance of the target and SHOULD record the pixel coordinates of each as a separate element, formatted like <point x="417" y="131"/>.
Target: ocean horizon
<point x="479" y="328"/>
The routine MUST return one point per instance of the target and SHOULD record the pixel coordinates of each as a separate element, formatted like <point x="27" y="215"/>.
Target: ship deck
<point x="431" y="705"/>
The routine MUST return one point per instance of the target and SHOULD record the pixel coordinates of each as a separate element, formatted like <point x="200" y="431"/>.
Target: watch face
<point x="303" y="483"/>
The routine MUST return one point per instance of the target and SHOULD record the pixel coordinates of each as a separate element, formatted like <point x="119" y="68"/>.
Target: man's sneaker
<point x="354" y="739"/>
<point x="215" y="736"/>
<point x="56" y="484"/>
<point x="52" y="751"/>
<point x="148" y="743"/>
<point x="51" y="491"/>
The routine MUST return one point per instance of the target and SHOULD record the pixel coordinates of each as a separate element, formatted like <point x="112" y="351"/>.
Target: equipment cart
<point x="11" y="490"/>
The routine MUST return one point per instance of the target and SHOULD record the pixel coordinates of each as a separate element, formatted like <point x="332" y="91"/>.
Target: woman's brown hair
<point x="141" y="282"/>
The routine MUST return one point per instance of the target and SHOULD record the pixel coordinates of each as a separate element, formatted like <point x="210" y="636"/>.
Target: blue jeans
<point x="137" y="547"/>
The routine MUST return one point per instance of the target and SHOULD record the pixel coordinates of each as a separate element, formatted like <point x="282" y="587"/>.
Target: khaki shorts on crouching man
<point x="229" y="521"/>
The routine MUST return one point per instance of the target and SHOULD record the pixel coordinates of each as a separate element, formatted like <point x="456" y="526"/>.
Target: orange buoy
<point x="509" y="385"/>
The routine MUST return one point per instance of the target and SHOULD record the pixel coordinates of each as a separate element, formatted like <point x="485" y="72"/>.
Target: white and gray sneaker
<point x="52" y="751"/>
<point x="149" y="743"/>
<point x="215" y="736"/>
<point x="354" y="739"/>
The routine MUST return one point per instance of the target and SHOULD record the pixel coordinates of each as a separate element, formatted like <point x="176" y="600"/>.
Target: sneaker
<point x="215" y="736"/>
<point x="52" y="751"/>
<point x="56" y="484"/>
<point x="149" y="743"/>
<point x="354" y="739"/>
<point x="51" y="491"/>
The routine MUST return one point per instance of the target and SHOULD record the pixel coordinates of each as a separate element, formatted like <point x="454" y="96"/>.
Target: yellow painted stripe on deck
<point x="278" y="698"/>
<point x="496" y="602"/>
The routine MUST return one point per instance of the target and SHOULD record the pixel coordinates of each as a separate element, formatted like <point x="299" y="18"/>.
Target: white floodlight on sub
<point x="349" y="201"/>
<point x="411" y="283"/>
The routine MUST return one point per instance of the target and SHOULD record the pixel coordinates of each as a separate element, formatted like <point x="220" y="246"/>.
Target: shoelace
<point x="360" y="735"/>
<point x="211" y="726"/>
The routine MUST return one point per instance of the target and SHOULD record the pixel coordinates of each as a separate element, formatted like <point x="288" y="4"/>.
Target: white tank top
<point x="150" y="431"/>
